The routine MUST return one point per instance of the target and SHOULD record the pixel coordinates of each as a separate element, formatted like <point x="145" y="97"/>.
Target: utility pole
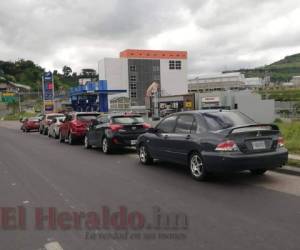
<point x="20" y="108"/>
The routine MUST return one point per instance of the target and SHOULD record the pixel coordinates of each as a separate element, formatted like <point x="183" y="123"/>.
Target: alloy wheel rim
<point x="196" y="165"/>
<point x="104" y="145"/>
<point x="86" y="142"/>
<point x="143" y="154"/>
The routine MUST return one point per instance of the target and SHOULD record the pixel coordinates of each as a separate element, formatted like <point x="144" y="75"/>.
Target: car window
<point x="51" y="117"/>
<point x="223" y="120"/>
<point x="167" y="125"/>
<point x="194" y="127"/>
<point x="127" y="120"/>
<point x="184" y="124"/>
<point x="34" y="119"/>
<point x="87" y="117"/>
<point x="103" y="119"/>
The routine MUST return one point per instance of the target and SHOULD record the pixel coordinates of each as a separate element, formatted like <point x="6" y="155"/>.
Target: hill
<point x="28" y="73"/>
<point x="280" y="71"/>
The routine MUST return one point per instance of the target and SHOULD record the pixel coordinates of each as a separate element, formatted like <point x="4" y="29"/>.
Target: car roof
<point x="204" y="111"/>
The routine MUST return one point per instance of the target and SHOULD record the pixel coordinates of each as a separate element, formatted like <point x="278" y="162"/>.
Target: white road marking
<point x="13" y="184"/>
<point x="25" y="202"/>
<point x="53" y="246"/>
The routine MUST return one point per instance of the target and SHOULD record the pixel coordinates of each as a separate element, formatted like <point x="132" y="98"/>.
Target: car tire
<point x="56" y="136"/>
<point x="197" y="167"/>
<point x="144" y="156"/>
<point x="86" y="143"/>
<point x="70" y="139"/>
<point x="27" y="130"/>
<point x="60" y="138"/>
<point x="45" y="131"/>
<point x="106" y="148"/>
<point x="258" y="171"/>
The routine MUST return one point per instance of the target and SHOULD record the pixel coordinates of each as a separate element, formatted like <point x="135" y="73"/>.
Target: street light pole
<point x="20" y="108"/>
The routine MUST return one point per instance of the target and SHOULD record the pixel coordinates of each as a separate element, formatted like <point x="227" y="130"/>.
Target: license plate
<point x="258" y="145"/>
<point x="133" y="142"/>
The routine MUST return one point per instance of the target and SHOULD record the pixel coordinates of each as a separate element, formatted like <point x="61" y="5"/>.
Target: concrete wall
<point x="262" y="111"/>
<point x="251" y="104"/>
<point x="173" y="82"/>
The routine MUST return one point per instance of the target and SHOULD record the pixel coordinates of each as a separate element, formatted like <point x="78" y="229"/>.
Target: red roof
<point x="153" y="54"/>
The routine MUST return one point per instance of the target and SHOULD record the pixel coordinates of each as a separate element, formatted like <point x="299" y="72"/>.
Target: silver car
<point x="53" y="130"/>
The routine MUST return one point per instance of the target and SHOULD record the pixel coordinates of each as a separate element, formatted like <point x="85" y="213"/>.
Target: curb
<point x="288" y="170"/>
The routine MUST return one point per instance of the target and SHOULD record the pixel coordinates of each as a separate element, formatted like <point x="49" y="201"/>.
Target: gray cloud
<point x="219" y="34"/>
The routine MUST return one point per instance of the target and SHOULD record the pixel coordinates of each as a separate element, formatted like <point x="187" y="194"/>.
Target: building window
<point x="132" y="78"/>
<point x="133" y="94"/>
<point x="132" y="86"/>
<point x="156" y="68"/>
<point x="171" y="64"/>
<point x="156" y="77"/>
<point x="132" y="68"/>
<point x="178" y="64"/>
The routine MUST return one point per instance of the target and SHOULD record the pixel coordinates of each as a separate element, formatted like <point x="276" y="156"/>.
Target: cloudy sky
<point x="218" y="34"/>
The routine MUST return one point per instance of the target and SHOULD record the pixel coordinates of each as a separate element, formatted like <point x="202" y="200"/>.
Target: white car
<point x="53" y="130"/>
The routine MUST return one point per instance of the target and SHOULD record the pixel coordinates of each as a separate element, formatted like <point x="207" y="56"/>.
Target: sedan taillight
<point x="146" y="125"/>
<point x="115" y="127"/>
<point x="227" y="146"/>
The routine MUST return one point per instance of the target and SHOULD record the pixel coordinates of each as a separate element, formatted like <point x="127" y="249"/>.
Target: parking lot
<point x="235" y="211"/>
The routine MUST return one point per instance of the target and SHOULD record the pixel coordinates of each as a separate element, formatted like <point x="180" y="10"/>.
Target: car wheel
<point x="106" y="148"/>
<point x="145" y="157"/>
<point x="86" y="142"/>
<point x="61" y="139"/>
<point x="258" y="171"/>
<point x="45" y="131"/>
<point x="56" y="136"/>
<point x="197" y="167"/>
<point x="71" y="139"/>
<point x="26" y="130"/>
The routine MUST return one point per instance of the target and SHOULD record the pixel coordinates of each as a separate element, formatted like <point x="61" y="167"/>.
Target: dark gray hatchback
<point x="214" y="141"/>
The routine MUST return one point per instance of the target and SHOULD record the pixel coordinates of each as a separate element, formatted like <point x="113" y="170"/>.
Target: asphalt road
<point x="229" y="212"/>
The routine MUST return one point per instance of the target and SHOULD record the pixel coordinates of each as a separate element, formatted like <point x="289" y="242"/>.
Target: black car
<point x="214" y="141"/>
<point x="115" y="131"/>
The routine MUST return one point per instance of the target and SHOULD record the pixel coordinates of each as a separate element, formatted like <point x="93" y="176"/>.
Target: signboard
<point x="48" y="92"/>
<point x="210" y="99"/>
<point x="188" y="104"/>
<point x="8" y="97"/>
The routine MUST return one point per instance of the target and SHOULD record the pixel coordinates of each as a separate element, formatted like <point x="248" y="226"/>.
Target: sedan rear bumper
<point x="237" y="161"/>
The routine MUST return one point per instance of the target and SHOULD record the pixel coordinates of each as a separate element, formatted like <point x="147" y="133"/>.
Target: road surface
<point x="229" y="212"/>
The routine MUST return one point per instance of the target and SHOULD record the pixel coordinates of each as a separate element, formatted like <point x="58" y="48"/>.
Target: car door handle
<point x="188" y="137"/>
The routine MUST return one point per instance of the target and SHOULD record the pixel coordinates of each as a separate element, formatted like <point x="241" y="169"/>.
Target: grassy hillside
<point x="280" y="71"/>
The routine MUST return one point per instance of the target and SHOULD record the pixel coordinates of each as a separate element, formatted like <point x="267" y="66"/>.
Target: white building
<point x="135" y="70"/>
<point x="216" y="82"/>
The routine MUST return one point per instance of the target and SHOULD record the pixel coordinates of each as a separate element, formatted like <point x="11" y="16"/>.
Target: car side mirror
<point x="152" y="130"/>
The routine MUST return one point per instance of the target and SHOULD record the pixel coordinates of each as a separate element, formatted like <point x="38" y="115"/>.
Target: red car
<point x="32" y="123"/>
<point x="75" y="126"/>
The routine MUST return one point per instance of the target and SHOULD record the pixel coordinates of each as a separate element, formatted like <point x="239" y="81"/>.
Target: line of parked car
<point x="207" y="141"/>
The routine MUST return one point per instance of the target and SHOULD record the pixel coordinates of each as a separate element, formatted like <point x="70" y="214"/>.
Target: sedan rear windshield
<point x="35" y="119"/>
<point x="51" y="117"/>
<point x="223" y="120"/>
<point x="127" y="120"/>
<point x="87" y="117"/>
